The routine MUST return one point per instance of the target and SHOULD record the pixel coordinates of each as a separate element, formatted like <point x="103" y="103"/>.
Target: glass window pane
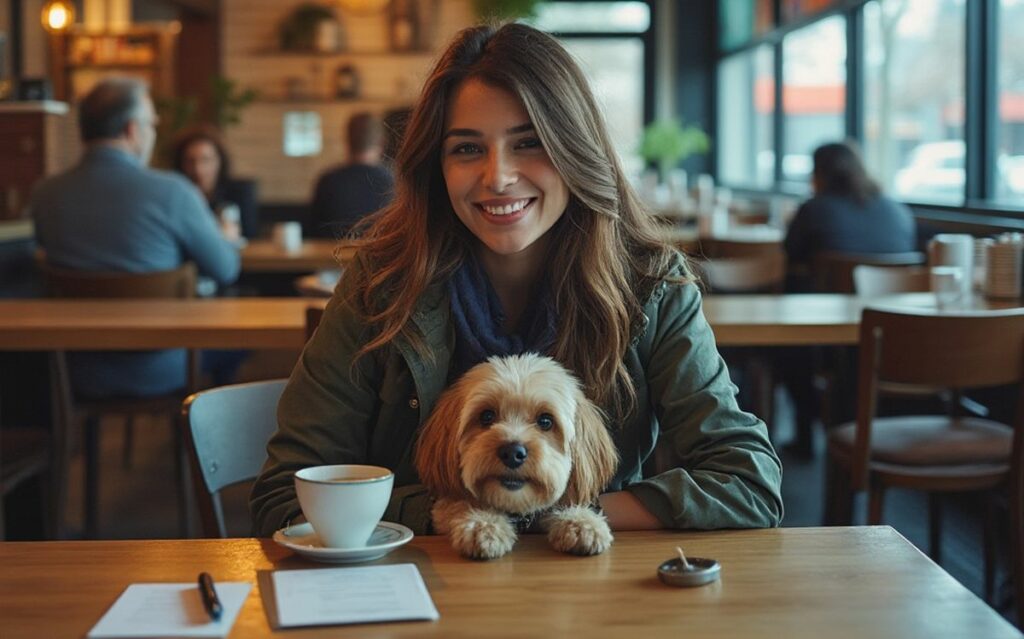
<point x="740" y="20"/>
<point x="1010" y="141"/>
<point x="589" y="17"/>
<point x="615" y="69"/>
<point x="813" y="94"/>
<point x="914" y="98"/>
<point x="796" y="9"/>
<point x="746" y="107"/>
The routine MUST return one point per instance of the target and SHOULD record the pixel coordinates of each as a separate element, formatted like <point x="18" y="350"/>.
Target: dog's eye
<point x="546" y="421"/>
<point x="487" y="417"/>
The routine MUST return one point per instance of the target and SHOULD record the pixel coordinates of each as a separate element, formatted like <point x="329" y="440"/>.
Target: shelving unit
<point x="80" y="58"/>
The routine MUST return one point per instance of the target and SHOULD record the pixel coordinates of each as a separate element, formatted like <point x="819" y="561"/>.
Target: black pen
<point x="209" y="595"/>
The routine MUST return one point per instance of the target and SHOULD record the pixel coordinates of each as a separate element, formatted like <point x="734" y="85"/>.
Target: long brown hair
<point x="609" y="258"/>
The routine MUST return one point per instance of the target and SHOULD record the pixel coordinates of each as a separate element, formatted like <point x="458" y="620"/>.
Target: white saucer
<point x="301" y="539"/>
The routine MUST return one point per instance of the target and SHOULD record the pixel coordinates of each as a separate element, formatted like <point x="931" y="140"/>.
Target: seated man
<point x="112" y="213"/>
<point x="347" y="194"/>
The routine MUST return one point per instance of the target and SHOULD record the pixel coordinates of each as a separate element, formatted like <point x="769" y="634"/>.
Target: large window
<point x="608" y="40"/>
<point x="1010" y="69"/>
<point x="914" y="97"/>
<point x="813" y="94"/>
<point x="746" y="109"/>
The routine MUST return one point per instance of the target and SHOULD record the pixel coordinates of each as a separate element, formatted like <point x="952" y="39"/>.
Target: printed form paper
<point x="351" y="595"/>
<point x="170" y="610"/>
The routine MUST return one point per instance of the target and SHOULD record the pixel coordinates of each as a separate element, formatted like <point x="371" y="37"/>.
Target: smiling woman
<point x="514" y="230"/>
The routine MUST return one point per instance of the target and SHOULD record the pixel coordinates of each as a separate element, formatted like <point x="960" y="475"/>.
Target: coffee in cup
<point x="344" y="502"/>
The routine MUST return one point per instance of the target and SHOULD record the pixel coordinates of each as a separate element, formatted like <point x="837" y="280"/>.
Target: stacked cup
<point x="1004" y="268"/>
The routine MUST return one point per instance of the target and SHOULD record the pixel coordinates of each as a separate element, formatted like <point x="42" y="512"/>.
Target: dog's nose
<point x="512" y="455"/>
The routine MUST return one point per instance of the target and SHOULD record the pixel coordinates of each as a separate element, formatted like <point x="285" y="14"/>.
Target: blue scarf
<point x="478" y="317"/>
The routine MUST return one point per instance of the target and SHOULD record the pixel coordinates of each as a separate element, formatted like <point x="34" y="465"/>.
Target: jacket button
<point x="414" y="403"/>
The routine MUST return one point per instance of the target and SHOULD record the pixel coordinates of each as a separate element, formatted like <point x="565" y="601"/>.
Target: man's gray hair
<point x="104" y="113"/>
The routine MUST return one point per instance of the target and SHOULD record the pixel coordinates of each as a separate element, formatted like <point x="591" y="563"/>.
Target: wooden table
<point x="267" y="323"/>
<point x="265" y="256"/>
<point x="795" y="582"/>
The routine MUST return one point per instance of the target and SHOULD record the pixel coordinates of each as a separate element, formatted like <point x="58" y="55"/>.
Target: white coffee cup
<point x="288" y="236"/>
<point x="947" y="284"/>
<point x="954" y="249"/>
<point x="345" y="502"/>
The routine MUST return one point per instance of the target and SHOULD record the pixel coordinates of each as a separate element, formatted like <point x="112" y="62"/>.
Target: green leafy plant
<point x="298" y="31"/>
<point x="229" y="100"/>
<point x="501" y="9"/>
<point x="666" y="143"/>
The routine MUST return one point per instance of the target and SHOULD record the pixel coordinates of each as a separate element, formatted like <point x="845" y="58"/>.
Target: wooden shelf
<point x="331" y="101"/>
<point x="340" y="54"/>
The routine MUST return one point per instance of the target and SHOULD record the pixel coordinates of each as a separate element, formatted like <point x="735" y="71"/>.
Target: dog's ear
<point x="437" y="449"/>
<point x="594" y="458"/>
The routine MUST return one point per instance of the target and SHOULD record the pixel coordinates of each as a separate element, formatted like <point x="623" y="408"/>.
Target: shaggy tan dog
<point x="515" y="439"/>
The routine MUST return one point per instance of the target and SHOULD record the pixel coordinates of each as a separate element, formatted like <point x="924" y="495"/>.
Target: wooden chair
<point x="313" y="316"/>
<point x="721" y="248"/>
<point x="833" y="271"/>
<point x="942" y="453"/>
<point x="874" y="281"/>
<point x="226" y="430"/>
<point x="758" y="273"/>
<point x="61" y="282"/>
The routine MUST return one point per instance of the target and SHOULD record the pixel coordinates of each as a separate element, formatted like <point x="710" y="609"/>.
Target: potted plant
<point x="505" y="9"/>
<point x="666" y="143"/>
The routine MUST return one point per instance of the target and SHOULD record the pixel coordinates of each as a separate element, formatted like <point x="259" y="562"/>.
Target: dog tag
<point x="685" y="573"/>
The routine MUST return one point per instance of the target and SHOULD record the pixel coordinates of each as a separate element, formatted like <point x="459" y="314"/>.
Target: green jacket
<point x="724" y="472"/>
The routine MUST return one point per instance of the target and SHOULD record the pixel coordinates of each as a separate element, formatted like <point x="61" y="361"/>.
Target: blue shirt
<point x="111" y="213"/>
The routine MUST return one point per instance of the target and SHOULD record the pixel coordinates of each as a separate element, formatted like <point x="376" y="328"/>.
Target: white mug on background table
<point x="954" y="249"/>
<point x="288" y="236"/>
<point x="947" y="284"/>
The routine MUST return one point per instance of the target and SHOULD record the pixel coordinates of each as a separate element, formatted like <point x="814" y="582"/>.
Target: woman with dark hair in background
<point x="848" y="212"/>
<point x="200" y="155"/>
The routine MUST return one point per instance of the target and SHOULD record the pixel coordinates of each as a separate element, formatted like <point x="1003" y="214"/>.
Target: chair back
<point x="958" y="351"/>
<point x="313" y="316"/>
<point x="833" y="271"/>
<point x="226" y="430"/>
<point x="721" y="248"/>
<point x="875" y="281"/>
<point x="62" y="282"/>
<point x="763" y="273"/>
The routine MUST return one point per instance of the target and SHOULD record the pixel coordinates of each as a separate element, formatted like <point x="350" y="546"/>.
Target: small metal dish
<point x="701" y="572"/>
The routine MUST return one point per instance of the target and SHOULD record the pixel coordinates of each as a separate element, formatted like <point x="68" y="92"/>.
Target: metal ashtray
<point x="697" y="571"/>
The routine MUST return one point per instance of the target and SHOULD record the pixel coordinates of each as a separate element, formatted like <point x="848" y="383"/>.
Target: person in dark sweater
<point x="345" y="195"/>
<point x="848" y="213"/>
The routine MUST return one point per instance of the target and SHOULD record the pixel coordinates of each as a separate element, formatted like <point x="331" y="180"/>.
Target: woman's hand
<point x="626" y="512"/>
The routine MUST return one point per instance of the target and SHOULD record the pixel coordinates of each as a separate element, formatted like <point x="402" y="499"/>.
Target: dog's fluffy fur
<point x="534" y="405"/>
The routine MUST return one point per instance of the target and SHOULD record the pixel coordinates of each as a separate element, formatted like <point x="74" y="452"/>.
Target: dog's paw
<point x="481" y="534"/>
<point x="578" y="530"/>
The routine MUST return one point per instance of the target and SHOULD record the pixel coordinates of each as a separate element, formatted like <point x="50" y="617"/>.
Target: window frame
<point x="981" y="118"/>
<point x="650" y="54"/>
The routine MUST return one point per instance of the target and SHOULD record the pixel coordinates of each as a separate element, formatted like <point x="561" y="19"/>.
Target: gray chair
<point x="226" y="431"/>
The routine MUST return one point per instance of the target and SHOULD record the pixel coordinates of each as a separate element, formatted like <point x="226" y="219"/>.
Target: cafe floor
<point x="139" y="501"/>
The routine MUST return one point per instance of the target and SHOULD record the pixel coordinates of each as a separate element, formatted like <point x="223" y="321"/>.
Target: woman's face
<point x="202" y="165"/>
<point x="500" y="179"/>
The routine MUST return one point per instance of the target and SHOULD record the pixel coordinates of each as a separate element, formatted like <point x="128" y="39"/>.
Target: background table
<point x="265" y="256"/>
<point x="810" y="582"/>
<point x="234" y="322"/>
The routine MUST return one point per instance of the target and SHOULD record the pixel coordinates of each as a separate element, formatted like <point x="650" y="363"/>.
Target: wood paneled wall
<point x="249" y="50"/>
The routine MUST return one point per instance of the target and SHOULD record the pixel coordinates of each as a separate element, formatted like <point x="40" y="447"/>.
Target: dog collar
<point x="521" y="523"/>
